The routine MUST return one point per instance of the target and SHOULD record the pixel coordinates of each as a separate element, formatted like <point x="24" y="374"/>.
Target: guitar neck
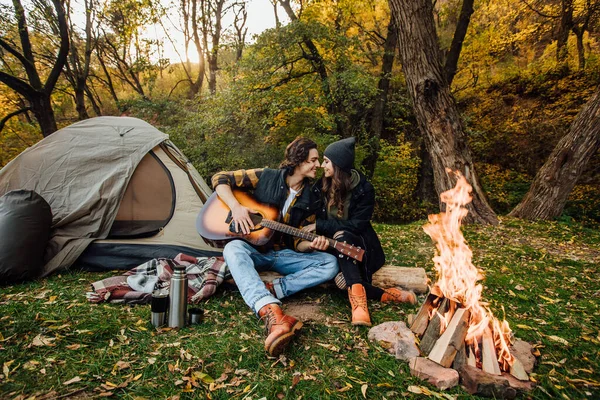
<point x="290" y="230"/>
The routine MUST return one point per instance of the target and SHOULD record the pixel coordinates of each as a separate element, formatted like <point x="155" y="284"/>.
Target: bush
<point x="584" y="205"/>
<point x="395" y="181"/>
<point x="504" y="188"/>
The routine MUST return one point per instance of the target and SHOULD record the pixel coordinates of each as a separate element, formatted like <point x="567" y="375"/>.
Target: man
<point x="287" y="188"/>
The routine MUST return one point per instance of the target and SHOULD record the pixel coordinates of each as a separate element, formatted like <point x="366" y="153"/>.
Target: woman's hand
<point x="310" y="228"/>
<point x="319" y="243"/>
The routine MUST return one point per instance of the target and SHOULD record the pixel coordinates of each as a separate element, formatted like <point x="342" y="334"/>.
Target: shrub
<point x="395" y="181"/>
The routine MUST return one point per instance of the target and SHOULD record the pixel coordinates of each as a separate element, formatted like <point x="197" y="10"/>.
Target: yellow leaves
<point x="558" y="339"/>
<point x="429" y="393"/>
<point x="548" y="299"/>
<point x="201" y="376"/>
<point x="75" y="346"/>
<point x="120" y="365"/>
<point x="6" y="368"/>
<point x="363" y="390"/>
<point x="329" y="346"/>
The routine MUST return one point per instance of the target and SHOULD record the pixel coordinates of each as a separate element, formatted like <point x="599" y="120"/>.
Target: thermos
<point x="178" y="298"/>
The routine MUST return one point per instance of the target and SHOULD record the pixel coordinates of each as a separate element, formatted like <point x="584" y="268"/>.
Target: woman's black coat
<point x="360" y="212"/>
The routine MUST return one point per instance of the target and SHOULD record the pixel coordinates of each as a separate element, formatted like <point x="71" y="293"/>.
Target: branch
<point x="177" y="84"/>
<point x="13" y="51"/>
<point x="538" y="11"/>
<point x="284" y="81"/>
<point x="29" y="66"/>
<point x="18" y="85"/>
<point x="12" y="114"/>
<point x="61" y="58"/>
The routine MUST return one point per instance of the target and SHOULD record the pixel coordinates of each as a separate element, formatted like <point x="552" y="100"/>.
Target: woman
<point x="349" y="200"/>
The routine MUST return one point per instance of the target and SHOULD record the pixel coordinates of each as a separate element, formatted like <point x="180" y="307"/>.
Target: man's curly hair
<point x="296" y="153"/>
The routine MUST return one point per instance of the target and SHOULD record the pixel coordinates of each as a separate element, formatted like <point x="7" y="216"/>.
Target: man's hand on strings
<point x="241" y="218"/>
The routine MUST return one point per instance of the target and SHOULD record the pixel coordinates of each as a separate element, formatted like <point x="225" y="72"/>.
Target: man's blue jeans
<point x="299" y="270"/>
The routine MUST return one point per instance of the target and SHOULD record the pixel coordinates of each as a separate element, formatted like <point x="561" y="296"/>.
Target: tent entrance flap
<point x="148" y="203"/>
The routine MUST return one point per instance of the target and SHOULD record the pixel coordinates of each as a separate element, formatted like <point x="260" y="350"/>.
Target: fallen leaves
<point x="41" y="340"/>
<point x="558" y="339"/>
<point x="72" y="380"/>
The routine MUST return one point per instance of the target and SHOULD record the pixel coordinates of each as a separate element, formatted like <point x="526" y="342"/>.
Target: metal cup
<point x="158" y="308"/>
<point x="195" y="316"/>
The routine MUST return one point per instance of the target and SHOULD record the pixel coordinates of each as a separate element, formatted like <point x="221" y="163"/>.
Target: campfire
<point x="455" y="327"/>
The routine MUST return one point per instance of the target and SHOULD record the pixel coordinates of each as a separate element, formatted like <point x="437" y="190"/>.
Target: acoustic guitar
<point x="215" y="225"/>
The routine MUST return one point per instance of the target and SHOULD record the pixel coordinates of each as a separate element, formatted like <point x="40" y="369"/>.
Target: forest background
<point x="518" y="71"/>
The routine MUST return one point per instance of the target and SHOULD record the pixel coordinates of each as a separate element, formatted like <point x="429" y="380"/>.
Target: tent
<point x="120" y="193"/>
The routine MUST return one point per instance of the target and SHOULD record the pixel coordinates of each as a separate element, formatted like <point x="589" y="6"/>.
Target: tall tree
<point x="315" y="58"/>
<point x="37" y="94"/>
<point x="581" y="24"/>
<point x="564" y="28"/>
<point x="78" y="66"/>
<point x="188" y="11"/>
<point x="389" y="53"/>
<point x="240" y="28"/>
<point x="553" y="183"/>
<point x="435" y="109"/>
<point x="450" y="66"/>
<point x="122" y="45"/>
<point x="213" y="12"/>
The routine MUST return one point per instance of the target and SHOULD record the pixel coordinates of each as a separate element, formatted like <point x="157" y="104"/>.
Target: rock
<point x="406" y="349"/>
<point x="522" y="387"/>
<point x="396" y="337"/>
<point x="523" y="351"/>
<point x="476" y="381"/>
<point x="441" y="377"/>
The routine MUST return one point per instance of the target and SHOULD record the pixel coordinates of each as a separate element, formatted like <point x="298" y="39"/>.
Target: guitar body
<point x="213" y="225"/>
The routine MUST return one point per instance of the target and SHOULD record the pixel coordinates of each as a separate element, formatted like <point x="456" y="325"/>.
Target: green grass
<point x="541" y="277"/>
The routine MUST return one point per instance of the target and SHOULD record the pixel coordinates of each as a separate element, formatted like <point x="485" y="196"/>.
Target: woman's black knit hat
<point x="341" y="153"/>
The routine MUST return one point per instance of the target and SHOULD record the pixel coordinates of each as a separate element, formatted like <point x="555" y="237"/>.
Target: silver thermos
<point x="178" y="298"/>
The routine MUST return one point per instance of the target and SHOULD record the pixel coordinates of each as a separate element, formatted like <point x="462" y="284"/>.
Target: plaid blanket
<point x="204" y="275"/>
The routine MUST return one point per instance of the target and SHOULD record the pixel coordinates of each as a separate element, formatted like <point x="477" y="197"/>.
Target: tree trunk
<point x="108" y="82"/>
<point x="425" y="190"/>
<point x="566" y="24"/>
<point x="450" y="66"/>
<point x="435" y="110"/>
<point x="92" y="99"/>
<point x="580" y="49"/>
<point x="41" y="106"/>
<point x="196" y="85"/>
<point x="389" y="52"/>
<point x="554" y="181"/>
<point x="79" y="90"/>
<point x="212" y="72"/>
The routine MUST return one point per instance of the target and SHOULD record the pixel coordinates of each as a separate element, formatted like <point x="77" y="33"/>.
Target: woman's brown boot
<point x="397" y="295"/>
<point x="358" y="301"/>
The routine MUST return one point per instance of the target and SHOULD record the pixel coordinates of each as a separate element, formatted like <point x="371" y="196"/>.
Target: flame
<point x="458" y="277"/>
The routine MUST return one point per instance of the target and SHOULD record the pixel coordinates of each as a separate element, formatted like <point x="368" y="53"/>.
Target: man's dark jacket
<point x="360" y="212"/>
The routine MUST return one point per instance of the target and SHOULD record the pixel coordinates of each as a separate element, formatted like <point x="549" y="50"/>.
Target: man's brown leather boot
<point x="280" y="328"/>
<point x="358" y="300"/>
<point x="398" y="295"/>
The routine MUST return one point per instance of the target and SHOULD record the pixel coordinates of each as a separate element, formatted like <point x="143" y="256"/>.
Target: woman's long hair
<point x="336" y="188"/>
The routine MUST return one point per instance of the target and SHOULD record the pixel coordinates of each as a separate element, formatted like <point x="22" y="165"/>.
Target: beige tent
<point x="120" y="192"/>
